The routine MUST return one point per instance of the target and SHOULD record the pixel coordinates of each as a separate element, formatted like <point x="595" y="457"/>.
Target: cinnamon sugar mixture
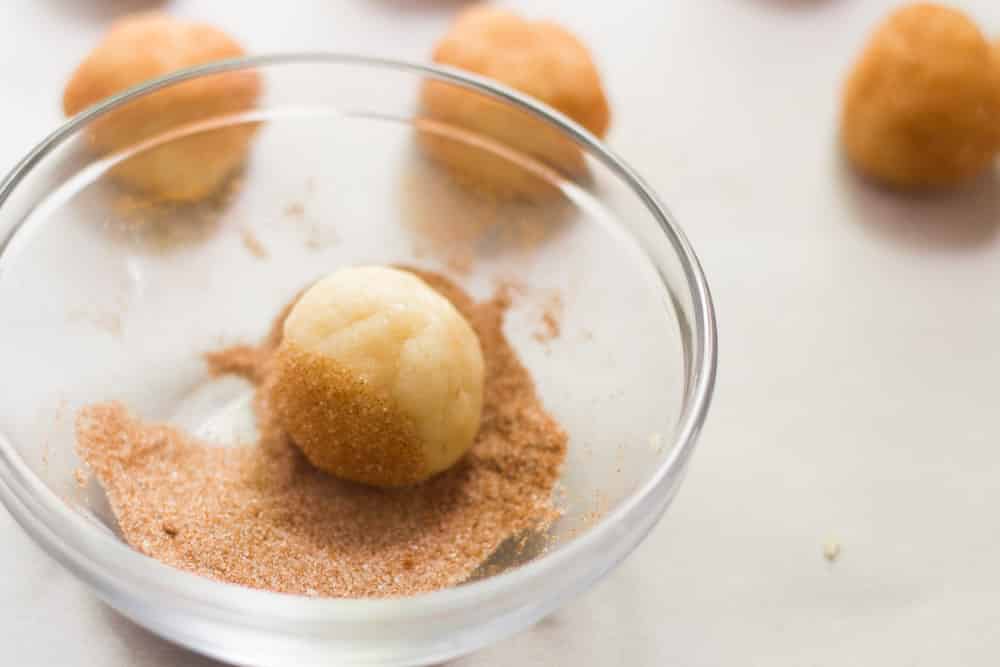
<point x="261" y="516"/>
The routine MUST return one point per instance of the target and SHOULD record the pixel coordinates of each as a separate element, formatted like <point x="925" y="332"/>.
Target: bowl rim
<point x="83" y="547"/>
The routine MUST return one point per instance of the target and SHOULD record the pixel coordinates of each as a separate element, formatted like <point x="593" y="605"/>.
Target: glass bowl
<point x="109" y="295"/>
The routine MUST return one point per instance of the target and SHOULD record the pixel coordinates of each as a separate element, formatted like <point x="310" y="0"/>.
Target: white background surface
<point x="858" y="375"/>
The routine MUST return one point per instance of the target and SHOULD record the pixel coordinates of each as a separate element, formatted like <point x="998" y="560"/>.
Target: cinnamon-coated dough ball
<point x="147" y="45"/>
<point x="378" y="379"/>
<point x="922" y="105"/>
<point x="538" y="58"/>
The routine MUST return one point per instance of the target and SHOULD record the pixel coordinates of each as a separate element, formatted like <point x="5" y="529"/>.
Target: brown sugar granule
<point x="316" y="236"/>
<point x="253" y="244"/>
<point x="549" y="326"/>
<point x="263" y="517"/>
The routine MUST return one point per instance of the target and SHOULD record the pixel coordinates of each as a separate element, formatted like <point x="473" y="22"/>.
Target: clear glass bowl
<point x="107" y="297"/>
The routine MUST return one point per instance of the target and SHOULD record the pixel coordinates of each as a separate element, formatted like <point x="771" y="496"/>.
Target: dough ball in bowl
<point x="491" y="145"/>
<point x="921" y="107"/>
<point x="378" y="379"/>
<point x="148" y="45"/>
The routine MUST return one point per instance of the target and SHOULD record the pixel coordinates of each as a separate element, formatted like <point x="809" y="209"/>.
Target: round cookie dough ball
<point x="538" y="58"/>
<point x="378" y="379"/>
<point x="148" y="45"/>
<point x="921" y="107"/>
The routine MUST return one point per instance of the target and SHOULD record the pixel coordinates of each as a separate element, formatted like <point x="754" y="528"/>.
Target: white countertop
<point x="859" y="372"/>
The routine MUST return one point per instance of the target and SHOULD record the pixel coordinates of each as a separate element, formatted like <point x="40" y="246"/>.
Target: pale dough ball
<point x="379" y="379"/>
<point x="538" y="58"/>
<point x="922" y="105"/>
<point x="148" y="45"/>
